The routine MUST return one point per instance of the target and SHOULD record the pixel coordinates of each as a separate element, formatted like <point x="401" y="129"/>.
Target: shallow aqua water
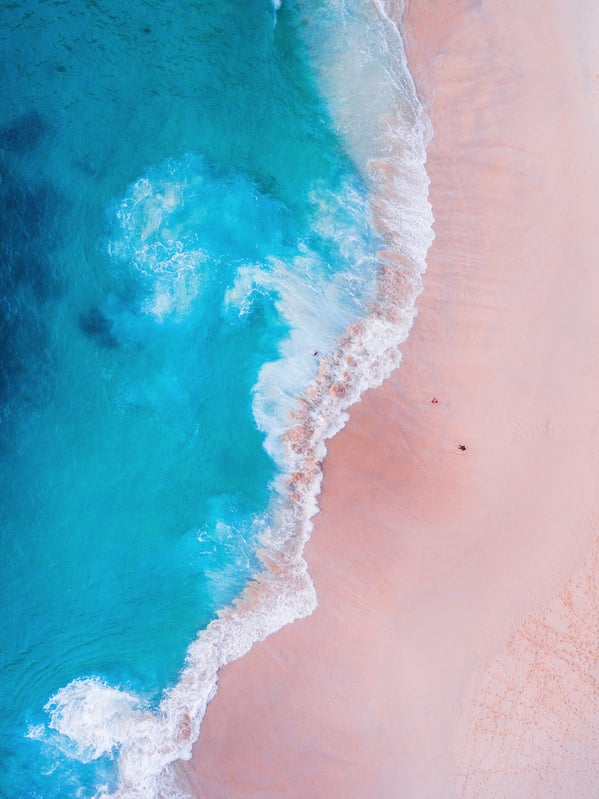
<point x="155" y="161"/>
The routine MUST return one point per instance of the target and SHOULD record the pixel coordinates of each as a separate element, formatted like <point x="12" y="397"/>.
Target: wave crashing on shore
<point x="332" y="287"/>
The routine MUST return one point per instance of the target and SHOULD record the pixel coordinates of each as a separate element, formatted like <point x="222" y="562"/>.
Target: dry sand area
<point x="455" y="649"/>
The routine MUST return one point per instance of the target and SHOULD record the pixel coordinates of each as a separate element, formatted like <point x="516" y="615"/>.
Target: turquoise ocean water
<point x="157" y="160"/>
<point x="184" y="233"/>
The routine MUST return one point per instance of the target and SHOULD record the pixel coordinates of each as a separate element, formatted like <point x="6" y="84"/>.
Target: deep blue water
<point x="163" y="167"/>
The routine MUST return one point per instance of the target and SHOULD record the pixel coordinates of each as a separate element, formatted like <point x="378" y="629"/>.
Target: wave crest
<point x="361" y="348"/>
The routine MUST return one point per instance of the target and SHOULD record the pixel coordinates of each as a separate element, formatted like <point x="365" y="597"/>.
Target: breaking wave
<point x="344" y="332"/>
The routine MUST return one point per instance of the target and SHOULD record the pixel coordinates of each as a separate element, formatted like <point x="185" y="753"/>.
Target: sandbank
<point x="454" y="650"/>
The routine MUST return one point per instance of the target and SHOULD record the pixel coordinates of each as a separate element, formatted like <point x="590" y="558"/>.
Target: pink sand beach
<point x="455" y="648"/>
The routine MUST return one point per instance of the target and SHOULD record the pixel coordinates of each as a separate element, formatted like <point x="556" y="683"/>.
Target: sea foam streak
<point x="392" y="155"/>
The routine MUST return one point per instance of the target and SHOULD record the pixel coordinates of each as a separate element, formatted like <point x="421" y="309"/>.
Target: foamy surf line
<point x="386" y="133"/>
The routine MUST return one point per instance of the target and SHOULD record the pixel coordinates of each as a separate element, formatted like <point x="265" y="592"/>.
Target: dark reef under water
<point x="30" y="280"/>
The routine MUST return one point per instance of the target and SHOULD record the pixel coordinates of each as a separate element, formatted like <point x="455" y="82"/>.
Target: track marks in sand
<point x="531" y="717"/>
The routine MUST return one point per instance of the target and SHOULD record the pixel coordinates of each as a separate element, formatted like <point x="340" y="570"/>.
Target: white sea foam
<point x="152" y="237"/>
<point x="96" y="718"/>
<point x="387" y="133"/>
<point x="317" y="306"/>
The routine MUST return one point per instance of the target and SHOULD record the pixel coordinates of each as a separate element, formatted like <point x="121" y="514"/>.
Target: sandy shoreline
<point x="433" y="565"/>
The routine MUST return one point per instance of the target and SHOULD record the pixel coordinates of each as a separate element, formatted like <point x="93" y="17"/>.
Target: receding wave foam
<point x="186" y="225"/>
<point x="92" y="718"/>
<point x="317" y="305"/>
<point x="345" y="330"/>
